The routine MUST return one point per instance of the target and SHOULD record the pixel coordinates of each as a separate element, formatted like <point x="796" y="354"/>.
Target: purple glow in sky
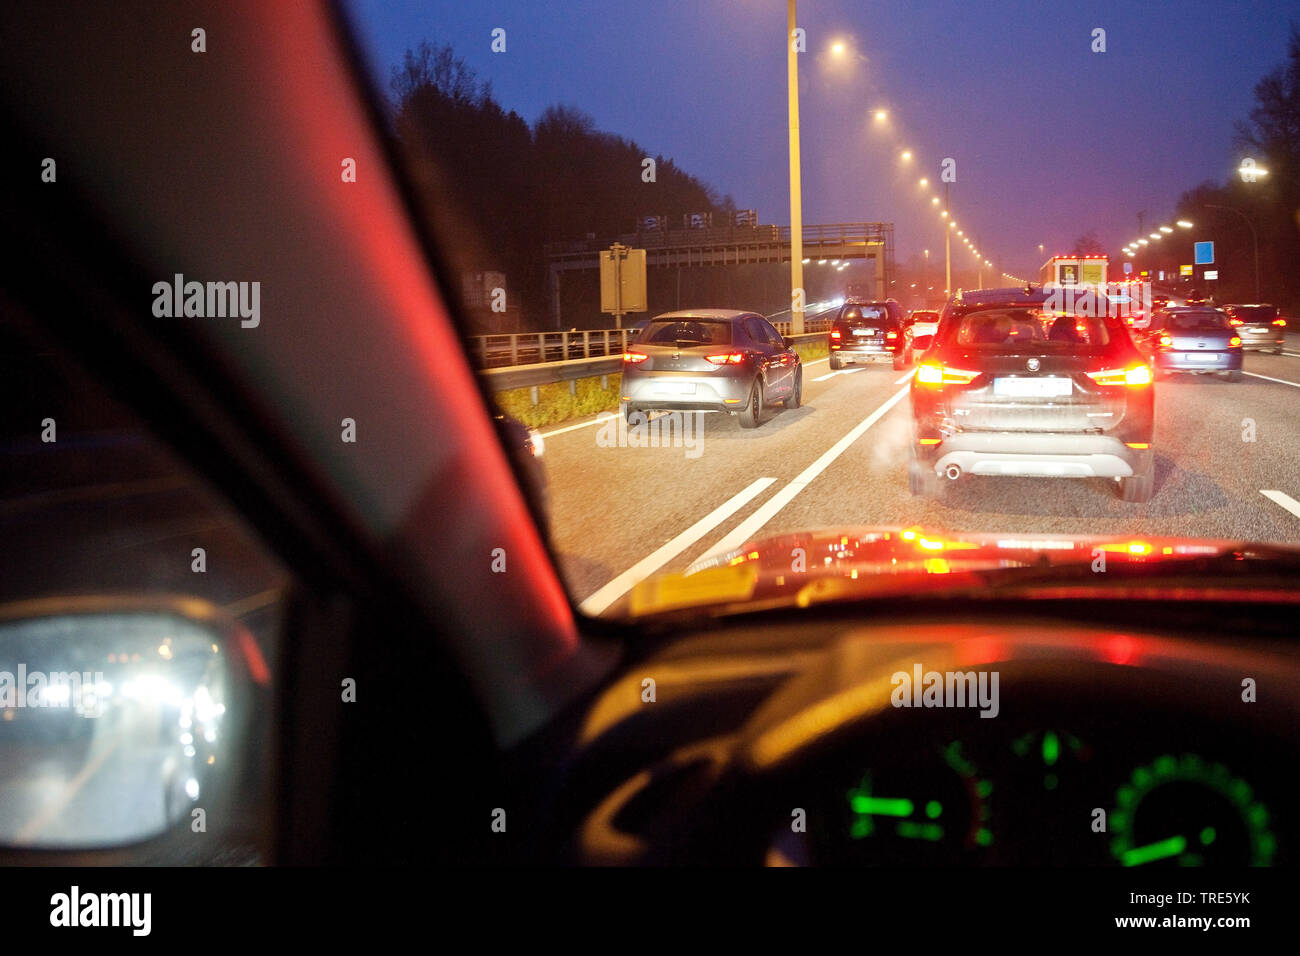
<point x="1050" y="139"/>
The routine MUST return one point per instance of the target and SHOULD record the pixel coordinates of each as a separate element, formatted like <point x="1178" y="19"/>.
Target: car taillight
<point x="1234" y="321"/>
<point x="1280" y="322"/>
<point x="835" y="335"/>
<point x="1234" y="341"/>
<point x="727" y="358"/>
<point x="634" y="357"/>
<point x="929" y="373"/>
<point x="1166" y="341"/>
<point x="891" y="335"/>
<point x="1135" y="375"/>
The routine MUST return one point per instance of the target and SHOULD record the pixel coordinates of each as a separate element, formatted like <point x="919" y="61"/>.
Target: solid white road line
<point x="1292" y="354"/>
<point x="900" y="381"/>
<point x="1280" y="381"/>
<point x="1285" y="500"/>
<point x="746" y="530"/>
<point x="568" y="428"/>
<point x="616" y="588"/>
<point x="838" y="371"/>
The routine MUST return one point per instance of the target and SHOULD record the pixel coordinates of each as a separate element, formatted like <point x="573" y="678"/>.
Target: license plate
<point x="864" y="331"/>
<point x="675" y="388"/>
<point x="1201" y="357"/>
<point x="1046" y="387"/>
<point x="1259" y="331"/>
<point x="924" y="329"/>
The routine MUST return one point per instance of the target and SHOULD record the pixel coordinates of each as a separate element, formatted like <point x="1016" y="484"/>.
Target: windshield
<point x="586" y="168"/>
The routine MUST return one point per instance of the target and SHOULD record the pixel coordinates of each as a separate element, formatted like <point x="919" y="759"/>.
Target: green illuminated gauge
<point x="1050" y="753"/>
<point x="1187" y="811"/>
<point x="937" y="805"/>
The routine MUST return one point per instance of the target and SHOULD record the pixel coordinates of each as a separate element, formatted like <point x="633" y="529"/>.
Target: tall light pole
<point x="796" y="197"/>
<point x="947" y="245"/>
<point x="1253" y="238"/>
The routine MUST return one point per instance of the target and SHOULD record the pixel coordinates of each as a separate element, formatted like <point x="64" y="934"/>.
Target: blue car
<point x="1197" y="340"/>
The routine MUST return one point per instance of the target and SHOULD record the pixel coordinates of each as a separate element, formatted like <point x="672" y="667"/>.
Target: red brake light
<point x="727" y="358"/>
<point x="634" y="357"/>
<point x="1234" y="341"/>
<point x="1166" y="341"/>
<point x="1234" y="321"/>
<point x="1280" y="322"/>
<point x="891" y="335"/>
<point x="930" y="373"/>
<point x="1136" y="375"/>
<point x="835" y="334"/>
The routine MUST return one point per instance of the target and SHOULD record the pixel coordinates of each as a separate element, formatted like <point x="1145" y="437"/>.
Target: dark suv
<point x="1009" y="386"/>
<point x="870" y="331"/>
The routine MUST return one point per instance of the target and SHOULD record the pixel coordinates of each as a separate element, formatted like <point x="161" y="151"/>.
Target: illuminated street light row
<point x="1132" y="248"/>
<point x="839" y="48"/>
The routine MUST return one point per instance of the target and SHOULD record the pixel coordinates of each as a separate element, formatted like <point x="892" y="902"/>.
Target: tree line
<point x="495" y="189"/>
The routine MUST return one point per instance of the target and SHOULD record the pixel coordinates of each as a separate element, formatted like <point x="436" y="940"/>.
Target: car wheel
<point x="796" y="394"/>
<point x="836" y="364"/>
<point x="752" y="413"/>
<point x="1140" y="486"/>
<point x="1234" y="375"/>
<point x="922" y="481"/>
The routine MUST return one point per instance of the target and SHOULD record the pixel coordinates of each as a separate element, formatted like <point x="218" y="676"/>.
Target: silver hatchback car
<point x="1259" y="326"/>
<point x="711" y="360"/>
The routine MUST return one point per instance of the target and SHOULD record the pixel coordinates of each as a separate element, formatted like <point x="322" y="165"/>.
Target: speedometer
<point x="1188" y="811"/>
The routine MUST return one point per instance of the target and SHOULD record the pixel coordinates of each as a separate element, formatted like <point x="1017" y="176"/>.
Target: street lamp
<point x="796" y="197"/>
<point x="1253" y="238"/>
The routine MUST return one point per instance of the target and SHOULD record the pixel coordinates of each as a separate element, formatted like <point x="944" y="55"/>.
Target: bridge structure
<point x="732" y="245"/>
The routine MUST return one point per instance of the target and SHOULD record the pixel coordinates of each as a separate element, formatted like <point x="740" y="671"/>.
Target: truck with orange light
<point x="1080" y="272"/>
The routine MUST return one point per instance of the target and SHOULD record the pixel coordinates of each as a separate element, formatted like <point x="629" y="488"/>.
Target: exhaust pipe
<point x="953" y="472"/>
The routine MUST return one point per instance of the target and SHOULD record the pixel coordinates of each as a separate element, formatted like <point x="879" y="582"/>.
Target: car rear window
<point x="1014" y="329"/>
<point x="703" y="331"/>
<point x="1198" y="321"/>
<point x="1255" y="313"/>
<point x="865" y="313"/>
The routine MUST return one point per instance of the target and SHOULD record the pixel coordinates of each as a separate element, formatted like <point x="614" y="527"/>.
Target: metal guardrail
<point x="570" y="370"/>
<point x="506" y="350"/>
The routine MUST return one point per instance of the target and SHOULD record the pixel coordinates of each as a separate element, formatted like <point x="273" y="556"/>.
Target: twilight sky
<point x="1050" y="139"/>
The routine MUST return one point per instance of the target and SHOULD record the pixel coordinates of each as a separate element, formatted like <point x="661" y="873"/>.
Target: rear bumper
<point x="1053" y="455"/>
<point x="1269" y="341"/>
<point x="860" y="356"/>
<point x="1173" y="361"/>
<point x="686" y="391"/>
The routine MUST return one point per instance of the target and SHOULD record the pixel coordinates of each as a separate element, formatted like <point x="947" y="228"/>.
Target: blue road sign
<point x="1204" y="254"/>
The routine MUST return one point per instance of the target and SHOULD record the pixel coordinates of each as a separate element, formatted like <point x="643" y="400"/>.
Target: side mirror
<point x="789" y="342"/>
<point x="118" y="718"/>
<point x="922" y="342"/>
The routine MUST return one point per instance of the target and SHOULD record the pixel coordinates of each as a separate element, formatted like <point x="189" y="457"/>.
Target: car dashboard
<point x="1019" y="742"/>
